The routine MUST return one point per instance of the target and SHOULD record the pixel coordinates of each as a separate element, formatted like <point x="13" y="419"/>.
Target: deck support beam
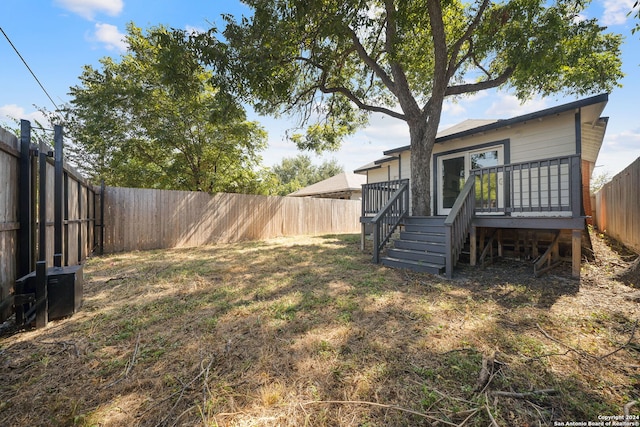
<point x="576" y="253"/>
<point x="473" y="245"/>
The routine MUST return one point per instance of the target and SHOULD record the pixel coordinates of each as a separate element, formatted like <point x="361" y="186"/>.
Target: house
<point x="518" y="186"/>
<point x="345" y="185"/>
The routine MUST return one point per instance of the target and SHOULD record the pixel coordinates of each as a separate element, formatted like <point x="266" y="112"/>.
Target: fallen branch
<point x="180" y="393"/>
<point x="628" y="406"/>
<point x="134" y="356"/>
<point x="525" y="395"/>
<point x="530" y="359"/>
<point x="633" y="332"/>
<point x="485" y="372"/>
<point x="575" y="350"/>
<point x="379" y="405"/>
<point x="463" y="349"/>
<point x="486" y="406"/>
<point x="64" y="344"/>
<point x="475" y="411"/>
<point x="116" y="278"/>
<point x="130" y="364"/>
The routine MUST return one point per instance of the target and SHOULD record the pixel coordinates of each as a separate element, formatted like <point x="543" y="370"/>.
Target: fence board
<point x="618" y="207"/>
<point x="142" y="219"/>
<point x="8" y="215"/>
<point x="79" y="216"/>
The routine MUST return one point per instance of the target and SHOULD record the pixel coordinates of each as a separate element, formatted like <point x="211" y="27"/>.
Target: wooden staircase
<point x="421" y="246"/>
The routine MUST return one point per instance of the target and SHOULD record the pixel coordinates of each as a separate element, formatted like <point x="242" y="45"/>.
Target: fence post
<point x="57" y="198"/>
<point x="25" y="254"/>
<point x="102" y="189"/>
<point x="42" y="303"/>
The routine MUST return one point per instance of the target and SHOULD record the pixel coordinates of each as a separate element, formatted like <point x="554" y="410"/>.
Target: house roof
<point x="471" y="127"/>
<point x="345" y="181"/>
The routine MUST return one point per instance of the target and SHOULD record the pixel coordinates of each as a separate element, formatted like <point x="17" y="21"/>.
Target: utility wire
<point x="29" y="68"/>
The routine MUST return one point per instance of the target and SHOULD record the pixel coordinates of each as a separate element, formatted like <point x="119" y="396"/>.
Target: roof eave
<point x="604" y="97"/>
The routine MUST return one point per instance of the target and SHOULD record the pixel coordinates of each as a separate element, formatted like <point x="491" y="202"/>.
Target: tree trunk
<point x="423" y="132"/>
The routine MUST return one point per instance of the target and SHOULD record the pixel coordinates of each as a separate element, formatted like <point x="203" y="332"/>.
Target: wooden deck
<point x="539" y="196"/>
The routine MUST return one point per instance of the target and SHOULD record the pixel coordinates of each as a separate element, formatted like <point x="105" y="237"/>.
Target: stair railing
<point x="388" y="218"/>
<point x="458" y="223"/>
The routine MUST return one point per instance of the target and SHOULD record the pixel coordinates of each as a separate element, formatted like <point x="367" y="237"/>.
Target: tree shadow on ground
<point x="304" y="332"/>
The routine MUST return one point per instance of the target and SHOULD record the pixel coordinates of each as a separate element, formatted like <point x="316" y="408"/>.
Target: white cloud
<point x="89" y="8"/>
<point x="190" y="29"/>
<point x="10" y="113"/>
<point x="453" y="108"/>
<point x="615" y="11"/>
<point x="507" y="106"/>
<point x="618" y="151"/>
<point x="111" y="37"/>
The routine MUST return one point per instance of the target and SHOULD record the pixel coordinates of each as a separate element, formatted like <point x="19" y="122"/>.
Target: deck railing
<point x="377" y="194"/>
<point x="549" y="185"/>
<point x="388" y="218"/>
<point x="458" y="223"/>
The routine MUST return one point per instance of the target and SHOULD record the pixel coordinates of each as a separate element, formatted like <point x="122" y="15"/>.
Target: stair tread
<point x="415" y="251"/>
<point x="420" y="241"/>
<point x="425" y="233"/>
<point x="413" y="265"/>
<point x="410" y="261"/>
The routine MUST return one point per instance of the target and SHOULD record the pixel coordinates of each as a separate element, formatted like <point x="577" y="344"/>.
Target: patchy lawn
<point x="306" y="331"/>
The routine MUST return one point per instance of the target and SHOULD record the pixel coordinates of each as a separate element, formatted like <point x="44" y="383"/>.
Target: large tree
<point x="337" y="61"/>
<point x="294" y="173"/>
<point x="153" y="119"/>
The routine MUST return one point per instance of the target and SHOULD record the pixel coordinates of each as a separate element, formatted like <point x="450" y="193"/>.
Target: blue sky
<point x="58" y="37"/>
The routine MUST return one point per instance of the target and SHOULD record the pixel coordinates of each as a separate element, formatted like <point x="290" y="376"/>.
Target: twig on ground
<point x="475" y="411"/>
<point x="530" y="359"/>
<point x="116" y="278"/>
<point x="486" y="406"/>
<point x="130" y="364"/>
<point x="206" y="392"/>
<point x="181" y="393"/>
<point x="64" y="344"/>
<point x="628" y="406"/>
<point x="485" y="372"/>
<point x="379" y="405"/>
<point x="463" y="349"/>
<point x="527" y="394"/>
<point x="451" y="397"/>
<point x="633" y="332"/>
<point x="575" y="350"/>
<point x="134" y="356"/>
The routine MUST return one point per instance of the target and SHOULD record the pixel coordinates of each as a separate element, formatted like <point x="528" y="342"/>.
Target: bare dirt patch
<point x="307" y="331"/>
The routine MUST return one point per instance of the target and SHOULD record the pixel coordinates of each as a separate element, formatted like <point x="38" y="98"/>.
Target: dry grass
<point x="307" y="331"/>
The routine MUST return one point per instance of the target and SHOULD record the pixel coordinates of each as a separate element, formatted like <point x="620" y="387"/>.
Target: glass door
<point x="452" y="174"/>
<point x="454" y="169"/>
<point x="489" y="185"/>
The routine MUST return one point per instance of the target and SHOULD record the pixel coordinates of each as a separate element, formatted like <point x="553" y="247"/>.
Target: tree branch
<point x="455" y="49"/>
<point x="403" y="92"/>
<point x="475" y="87"/>
<point x="353" y="98"/>
<point x="371" y="63"/>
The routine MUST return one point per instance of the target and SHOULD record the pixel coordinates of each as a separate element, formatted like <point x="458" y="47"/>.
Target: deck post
<point x="473" y="246"/>
<point x="576" y="253"/>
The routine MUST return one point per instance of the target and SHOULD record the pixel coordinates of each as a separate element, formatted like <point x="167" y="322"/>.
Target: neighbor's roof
<point x="345" y="181"/>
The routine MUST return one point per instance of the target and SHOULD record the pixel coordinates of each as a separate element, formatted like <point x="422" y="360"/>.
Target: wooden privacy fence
<point x="618" y="207"/>
<point x="141" y="219"/>
<point x="125" y="219"/>
<point x="19" y="224"/>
